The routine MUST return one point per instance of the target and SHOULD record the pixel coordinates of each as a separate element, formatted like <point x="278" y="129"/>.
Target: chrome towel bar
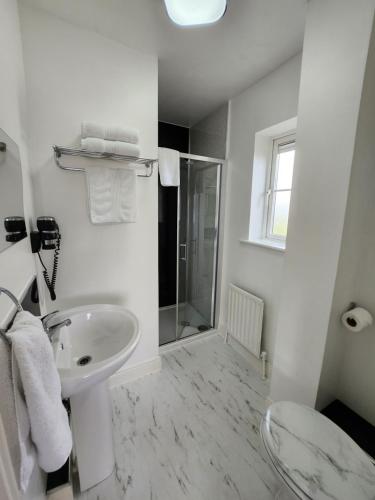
<point x="60" y="151"/>
<point x="14" y="299"/>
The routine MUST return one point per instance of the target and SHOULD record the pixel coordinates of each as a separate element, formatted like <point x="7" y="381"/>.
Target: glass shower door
<point x="197" y="246"/>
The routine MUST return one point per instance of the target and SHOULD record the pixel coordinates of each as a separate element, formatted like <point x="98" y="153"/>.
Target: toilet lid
<point x="316" y="457"/>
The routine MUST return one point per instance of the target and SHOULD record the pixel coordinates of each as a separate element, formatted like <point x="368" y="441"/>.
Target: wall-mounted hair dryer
<point x="47" y="238"/>
<point x="16" y="228"/>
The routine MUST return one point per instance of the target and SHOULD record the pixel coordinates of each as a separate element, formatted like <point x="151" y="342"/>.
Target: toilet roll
<point x="356" y="319"/>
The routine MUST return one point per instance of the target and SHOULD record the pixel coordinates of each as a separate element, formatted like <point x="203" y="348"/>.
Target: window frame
<point x="283" y="140"/>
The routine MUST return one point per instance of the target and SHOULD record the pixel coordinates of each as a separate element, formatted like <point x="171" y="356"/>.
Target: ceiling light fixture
<point x="195" y="12"/>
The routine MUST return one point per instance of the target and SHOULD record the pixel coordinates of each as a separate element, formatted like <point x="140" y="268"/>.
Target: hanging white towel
<point x="169" y="167"/>
<point x="111" y="133"/>
<point x="43" y="424"/>
<point x="112" y="194"/>
<point x="115" y="147"/>
<point x="8" y="406"/>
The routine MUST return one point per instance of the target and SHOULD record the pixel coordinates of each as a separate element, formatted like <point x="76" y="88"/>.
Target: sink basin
<point x="97" y="343"/>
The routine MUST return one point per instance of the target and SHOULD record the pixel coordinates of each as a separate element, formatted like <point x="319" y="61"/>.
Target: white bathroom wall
<point x="349" y="369"/>
<point x="16" y="262"/>
<point x="334" y="57"/>
<point x="208" y="137"/>
<point x="74" y="75"/>
<point x="272" y="100"/>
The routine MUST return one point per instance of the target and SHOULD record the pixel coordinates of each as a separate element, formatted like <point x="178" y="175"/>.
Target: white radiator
<point x="245" y="319"/>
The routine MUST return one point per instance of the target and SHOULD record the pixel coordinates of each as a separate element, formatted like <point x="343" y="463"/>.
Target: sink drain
<point x="84" y="360"/>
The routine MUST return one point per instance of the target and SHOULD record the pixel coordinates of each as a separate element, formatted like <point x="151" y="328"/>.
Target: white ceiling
<point x="199" y="68"/>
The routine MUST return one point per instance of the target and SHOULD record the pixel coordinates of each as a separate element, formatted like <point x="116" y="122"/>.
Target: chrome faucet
<point x="50" y="330"/>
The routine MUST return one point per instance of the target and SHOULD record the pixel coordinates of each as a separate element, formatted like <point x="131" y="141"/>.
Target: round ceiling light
<point x="195" y="12"/>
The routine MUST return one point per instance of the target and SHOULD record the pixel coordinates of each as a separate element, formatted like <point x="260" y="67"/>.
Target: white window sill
<point x="269" y="244"/>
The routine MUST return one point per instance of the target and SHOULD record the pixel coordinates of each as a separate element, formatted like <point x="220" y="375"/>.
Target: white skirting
<point x="139" y="370"/>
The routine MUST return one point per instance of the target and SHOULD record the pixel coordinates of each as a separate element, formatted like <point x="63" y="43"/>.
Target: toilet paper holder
<point x="361" y="318"/>
<point x="351" y="306"/>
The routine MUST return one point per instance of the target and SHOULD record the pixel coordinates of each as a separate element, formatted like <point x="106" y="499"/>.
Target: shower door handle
<point x="183" y="251"/>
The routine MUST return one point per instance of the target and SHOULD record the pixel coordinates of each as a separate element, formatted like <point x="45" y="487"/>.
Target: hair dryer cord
<point x="51" y="283"/>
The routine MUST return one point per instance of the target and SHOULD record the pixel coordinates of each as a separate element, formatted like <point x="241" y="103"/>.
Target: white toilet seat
<point x="314" y="457"/>
<point x="286" y="488"/>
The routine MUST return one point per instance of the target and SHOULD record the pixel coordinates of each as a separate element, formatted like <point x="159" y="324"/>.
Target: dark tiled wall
<point x="174" y="137"/>
<point x="209" y="136"/>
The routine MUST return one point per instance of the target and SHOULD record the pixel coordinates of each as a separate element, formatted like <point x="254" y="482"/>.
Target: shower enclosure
<point x="198" y="203"/>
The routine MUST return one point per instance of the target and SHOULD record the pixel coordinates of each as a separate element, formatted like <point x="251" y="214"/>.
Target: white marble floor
<point x="190" y="432"/>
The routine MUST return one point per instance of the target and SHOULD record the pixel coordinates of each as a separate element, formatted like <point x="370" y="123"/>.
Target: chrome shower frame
<point x="190" y="162"/>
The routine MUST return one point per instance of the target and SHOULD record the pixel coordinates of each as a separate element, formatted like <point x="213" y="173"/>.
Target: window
<point x="279" y="187"/>
<point x="272" y="173"/>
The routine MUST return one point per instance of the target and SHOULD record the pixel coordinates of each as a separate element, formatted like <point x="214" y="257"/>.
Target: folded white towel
<point x="43" y="424"/>
<point x="112" y="194"/>
<point x="115" y="147"/>
<point x="169" y="167"/>
<point x="112" y="133"/>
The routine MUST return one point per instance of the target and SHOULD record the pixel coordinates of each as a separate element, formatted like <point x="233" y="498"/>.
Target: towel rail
<point x="14" y="299"/>
<point x="60" y="151"/>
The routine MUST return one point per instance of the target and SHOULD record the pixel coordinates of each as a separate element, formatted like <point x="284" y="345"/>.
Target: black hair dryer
<point x="16" y="228"/>
<point x="47" y="238"/>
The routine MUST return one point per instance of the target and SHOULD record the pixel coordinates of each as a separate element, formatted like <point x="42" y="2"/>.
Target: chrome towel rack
<point x="14" y="299"/>
<point x="60" y="151"/>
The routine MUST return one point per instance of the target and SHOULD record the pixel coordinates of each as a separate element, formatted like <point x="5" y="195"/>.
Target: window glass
<point x="281" y="213"/>
<point x="281" y="176"/>
<point x="285" y="164"/>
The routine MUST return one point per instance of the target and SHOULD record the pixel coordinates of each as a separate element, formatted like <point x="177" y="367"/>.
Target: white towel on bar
<point x="169" y="167"/>
<point x="111" y="133"/>
<point x="8" y="406"/>
<point x="43" y="424"/>
<point x="115" y="147"/>
<point x="112" y="194"/>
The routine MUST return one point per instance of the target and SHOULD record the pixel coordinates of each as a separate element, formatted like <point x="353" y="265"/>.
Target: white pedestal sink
<point x="98" y="341"/>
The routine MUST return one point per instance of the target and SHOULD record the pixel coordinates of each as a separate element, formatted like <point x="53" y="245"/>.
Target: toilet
<point x="312" y="457"/>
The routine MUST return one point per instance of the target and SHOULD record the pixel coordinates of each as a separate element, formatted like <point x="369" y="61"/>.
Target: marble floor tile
<point x="190" y="432"/>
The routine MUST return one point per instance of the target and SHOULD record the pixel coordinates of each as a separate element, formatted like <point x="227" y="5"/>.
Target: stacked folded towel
<point x="115" y="147"/>
<point x="112" y="133"/>
<point x="112" y="139"/>
<point x="111" y="190"/>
